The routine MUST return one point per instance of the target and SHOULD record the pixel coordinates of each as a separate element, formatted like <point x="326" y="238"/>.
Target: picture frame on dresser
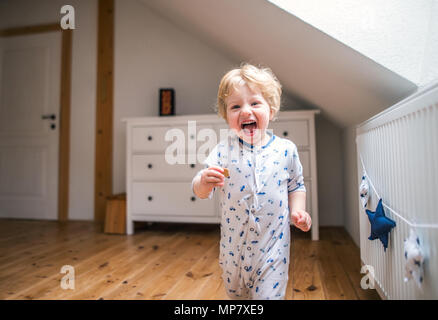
<point x="158" y="191"/>
<point x="167" y="102"/>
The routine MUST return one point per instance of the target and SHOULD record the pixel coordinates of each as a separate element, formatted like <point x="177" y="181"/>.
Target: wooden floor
<point x="162" y="261"/>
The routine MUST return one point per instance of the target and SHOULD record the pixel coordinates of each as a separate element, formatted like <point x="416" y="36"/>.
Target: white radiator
<point x="398" y="149"/>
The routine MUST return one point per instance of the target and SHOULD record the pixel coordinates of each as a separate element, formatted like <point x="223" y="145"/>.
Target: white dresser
<point x="159" y="191"/>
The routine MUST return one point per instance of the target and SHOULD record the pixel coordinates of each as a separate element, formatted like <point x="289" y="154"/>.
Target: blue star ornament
<point x="380" y="224"/>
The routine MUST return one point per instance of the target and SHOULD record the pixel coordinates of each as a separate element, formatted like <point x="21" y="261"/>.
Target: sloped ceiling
<point x="345" y="85"/>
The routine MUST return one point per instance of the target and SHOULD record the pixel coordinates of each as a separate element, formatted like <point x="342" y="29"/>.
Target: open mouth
<point x="249" y="127"/>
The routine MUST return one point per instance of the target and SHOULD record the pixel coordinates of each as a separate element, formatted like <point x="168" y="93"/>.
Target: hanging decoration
<point x="364" y="191"/>
<point x="380" y="224"/>
<point x="414" y="259"/>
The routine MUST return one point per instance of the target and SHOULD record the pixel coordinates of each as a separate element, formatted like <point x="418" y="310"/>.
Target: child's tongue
<point x="249" y="128"/>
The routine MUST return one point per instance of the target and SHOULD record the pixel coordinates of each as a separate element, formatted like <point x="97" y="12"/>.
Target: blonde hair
<point x="260" y="77"/>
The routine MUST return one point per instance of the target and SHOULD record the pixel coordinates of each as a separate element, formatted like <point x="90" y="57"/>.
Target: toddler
<point x="260" y="190"/>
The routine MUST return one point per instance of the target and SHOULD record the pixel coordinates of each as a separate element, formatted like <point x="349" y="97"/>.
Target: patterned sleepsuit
<point x="255" y="219"/>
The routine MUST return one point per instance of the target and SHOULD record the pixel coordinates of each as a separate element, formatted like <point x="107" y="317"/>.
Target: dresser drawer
<point x="149" y="139"/>
<point x="156" y="168"/>
<point x="297" y="131"/>
<point x="169" y="199"/>
<point x="152" y="139"/>
<point x="195" y="137"/>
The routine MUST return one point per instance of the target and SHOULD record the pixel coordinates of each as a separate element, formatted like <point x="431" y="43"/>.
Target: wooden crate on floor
<point x="115" y="216"/>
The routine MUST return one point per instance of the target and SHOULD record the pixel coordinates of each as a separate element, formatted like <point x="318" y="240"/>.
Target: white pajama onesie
<point x="255" y="220"/>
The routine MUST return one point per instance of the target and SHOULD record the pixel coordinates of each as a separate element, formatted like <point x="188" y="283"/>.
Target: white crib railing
<point x="398" y="149"/>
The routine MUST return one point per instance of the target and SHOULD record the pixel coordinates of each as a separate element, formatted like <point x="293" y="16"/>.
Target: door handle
<point x="48" y="117"/>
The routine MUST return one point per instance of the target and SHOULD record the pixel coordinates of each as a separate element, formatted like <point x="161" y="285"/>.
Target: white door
<point x="30" y="73"/>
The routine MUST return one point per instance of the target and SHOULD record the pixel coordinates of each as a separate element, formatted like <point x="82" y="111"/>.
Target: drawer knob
<point x="149" y="138"/>
<point x="150" y="198"/>
<point x="285" y="133"/>
<point x="150" y="165"/>
<point x="193" y="198"/>
<point x="192" y="165"/>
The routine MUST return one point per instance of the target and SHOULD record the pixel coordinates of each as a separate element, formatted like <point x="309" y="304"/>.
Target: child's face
<point x="248" y="114"/>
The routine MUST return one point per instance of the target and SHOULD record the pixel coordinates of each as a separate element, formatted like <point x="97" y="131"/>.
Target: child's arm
<point x="208" y="179"/>
<point x="297" y="208"/>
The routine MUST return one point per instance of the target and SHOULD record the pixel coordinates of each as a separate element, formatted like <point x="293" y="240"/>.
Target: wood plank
<point x="143" y="279"/>
<point x="180" y="267"/>
<point x="304" y="272"/>
<point x="171" y="265"/>
<point x="94" y="277"/>
<point x="115" y="215"/>
<point x="214" y="288"/>
<point x="64" y="126"/>
<point x="348" y="254"/>
<point x="19" y="31"/>
<point x="336" y="282"/>
<point x="17" y="230"/>
<point x="27" y="249"/>
<point x="47" y="268"/>
<point x="192" y="284"/>
<point x="165" y="261"/>
<point x="104" y="108"/>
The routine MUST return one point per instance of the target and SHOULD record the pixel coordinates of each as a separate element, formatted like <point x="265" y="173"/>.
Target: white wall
<point x="15" y="13"/>
<point x="394" y="33"/>
<point x="330" y="172"/>
<point x="429" y="68"/>
<point x="351" y="186"/>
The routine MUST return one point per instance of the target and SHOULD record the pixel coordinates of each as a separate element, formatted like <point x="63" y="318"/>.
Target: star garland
<point x="414" y="259"/>
<point x="380" y="224"/>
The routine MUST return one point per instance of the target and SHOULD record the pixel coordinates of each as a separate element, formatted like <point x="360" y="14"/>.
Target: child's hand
<point x="301" y="219"/>
<point x="212" y="177"/>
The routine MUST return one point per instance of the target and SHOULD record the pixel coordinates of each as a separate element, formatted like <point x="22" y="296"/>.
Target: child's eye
<point x="235" y="107"/>
<point x="254" y="103"/>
